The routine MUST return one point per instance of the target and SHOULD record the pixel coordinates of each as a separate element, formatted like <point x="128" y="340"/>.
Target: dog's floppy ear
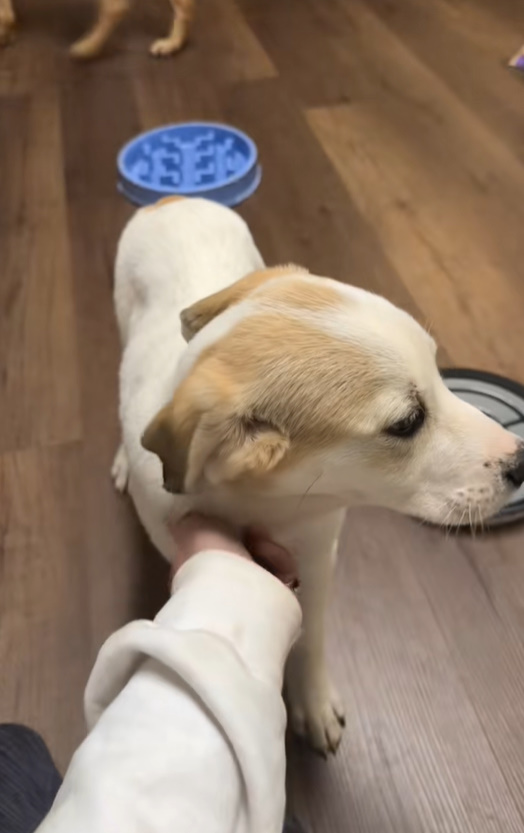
<point x="204" y="433"/>
<point x="233" y="446"/>
<point x="197" y="316"/>
<point x="164" y="438"/>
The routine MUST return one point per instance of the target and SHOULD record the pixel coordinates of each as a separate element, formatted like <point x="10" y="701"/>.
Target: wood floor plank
<point x="415" y="756"/>
<point x="506" y="13"/>
<point x="416" y="188"/>
<point x="38" y="358"/>
<point x="228" y="53"/>
<point x="450" y="38"/>
<point x="45" y="643"/>
<point x="317" y="61"/>
<point x="498" y="561"/>
<point x="301" y="213"/>
<point x="487" y="653"/>
<point x="222" y="49"/>
<point x="130" y="579"/>
<point x="160" y="103"/>
<point x="37" y="58"/>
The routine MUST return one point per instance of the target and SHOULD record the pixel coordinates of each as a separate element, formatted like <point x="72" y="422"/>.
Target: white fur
<point x="173" y="255"/>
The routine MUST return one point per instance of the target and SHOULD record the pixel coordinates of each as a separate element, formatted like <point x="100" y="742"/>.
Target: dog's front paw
<point x="166" y="46"/>
<point x="86" y="48"/>
<point x="316" y="713"/>
<point x="120" y="470"/>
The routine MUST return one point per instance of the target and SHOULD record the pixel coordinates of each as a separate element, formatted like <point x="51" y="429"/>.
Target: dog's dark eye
<point x="409" y="426"/>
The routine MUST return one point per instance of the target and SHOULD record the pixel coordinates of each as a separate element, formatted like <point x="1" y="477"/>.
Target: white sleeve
<point x="186" y="715"/>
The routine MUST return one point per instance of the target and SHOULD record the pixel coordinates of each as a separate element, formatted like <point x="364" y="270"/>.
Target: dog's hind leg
<point x="120" y="469"/>
<point x="110" y="13"/>
<point x="183" y="15"/>
<point x="7" y="21"/>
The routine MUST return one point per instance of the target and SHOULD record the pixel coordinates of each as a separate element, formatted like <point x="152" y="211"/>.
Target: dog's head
<point x="293" y="383"/>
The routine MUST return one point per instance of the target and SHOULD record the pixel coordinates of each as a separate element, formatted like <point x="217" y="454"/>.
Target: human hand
<point x="195" y="533"/>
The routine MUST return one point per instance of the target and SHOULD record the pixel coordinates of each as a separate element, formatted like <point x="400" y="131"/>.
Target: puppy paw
<point x="85" y="49"/>
<point x="120" y="470"/>
<point x="165" y="46"/>
<point x="317" y="715"/>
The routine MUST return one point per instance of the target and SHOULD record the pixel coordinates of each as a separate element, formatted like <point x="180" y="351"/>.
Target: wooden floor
<point x="392" y="139"/>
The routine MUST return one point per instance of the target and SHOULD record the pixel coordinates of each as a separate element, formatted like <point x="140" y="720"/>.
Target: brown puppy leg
<point x="110" y="13"/>
<point x="7" y="21"/>
<point x="183" y="15"/>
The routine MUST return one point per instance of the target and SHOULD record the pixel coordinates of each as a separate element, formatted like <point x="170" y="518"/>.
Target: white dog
<point x="296" y="397"/>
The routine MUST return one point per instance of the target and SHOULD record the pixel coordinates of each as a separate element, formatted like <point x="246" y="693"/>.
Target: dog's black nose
<point x="514" y="472"/>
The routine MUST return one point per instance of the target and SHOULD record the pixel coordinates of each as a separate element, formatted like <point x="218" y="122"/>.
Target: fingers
<point x="196" y="533"/>
<point x="273" y="557"/>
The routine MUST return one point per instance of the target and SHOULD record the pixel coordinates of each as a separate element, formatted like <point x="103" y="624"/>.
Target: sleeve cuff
<point x="242" y="603"/>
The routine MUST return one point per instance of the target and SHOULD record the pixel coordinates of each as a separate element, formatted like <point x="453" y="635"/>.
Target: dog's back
<point x="170" y="255"/>
<point x="175" y="252"/>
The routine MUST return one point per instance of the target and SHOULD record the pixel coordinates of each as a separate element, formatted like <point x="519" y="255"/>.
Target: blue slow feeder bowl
<point x="198" y="159"/>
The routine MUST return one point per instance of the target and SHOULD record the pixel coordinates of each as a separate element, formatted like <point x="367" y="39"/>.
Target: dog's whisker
<point x="458" y="526"/>
<point x="304" y="496"/>
<point x="445" y="522"/>
<point x="480" y="519"/>
<point x="472" y="527"/>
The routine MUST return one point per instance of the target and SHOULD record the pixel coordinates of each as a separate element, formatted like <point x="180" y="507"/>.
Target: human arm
<point x="186" y="716"/>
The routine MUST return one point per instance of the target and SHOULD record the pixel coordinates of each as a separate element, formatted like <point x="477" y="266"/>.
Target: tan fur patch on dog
<point x="164" y="201"/>
<point x="197" y="316"/>
<point x="311" y="295"/>
<point x="305" y="381"/>
<point x="244" y="413"/>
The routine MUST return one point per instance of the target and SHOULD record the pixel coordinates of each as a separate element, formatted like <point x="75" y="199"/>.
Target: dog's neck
<point x="273" y="513"/>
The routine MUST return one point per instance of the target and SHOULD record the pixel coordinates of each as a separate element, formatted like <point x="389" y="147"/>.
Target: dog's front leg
<point x="110" y="13"/>
<point x="315" y="708"/>
<point x="7" y="21"/>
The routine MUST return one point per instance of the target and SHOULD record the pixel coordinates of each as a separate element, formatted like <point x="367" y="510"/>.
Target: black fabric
<point x="29" y="780"/>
